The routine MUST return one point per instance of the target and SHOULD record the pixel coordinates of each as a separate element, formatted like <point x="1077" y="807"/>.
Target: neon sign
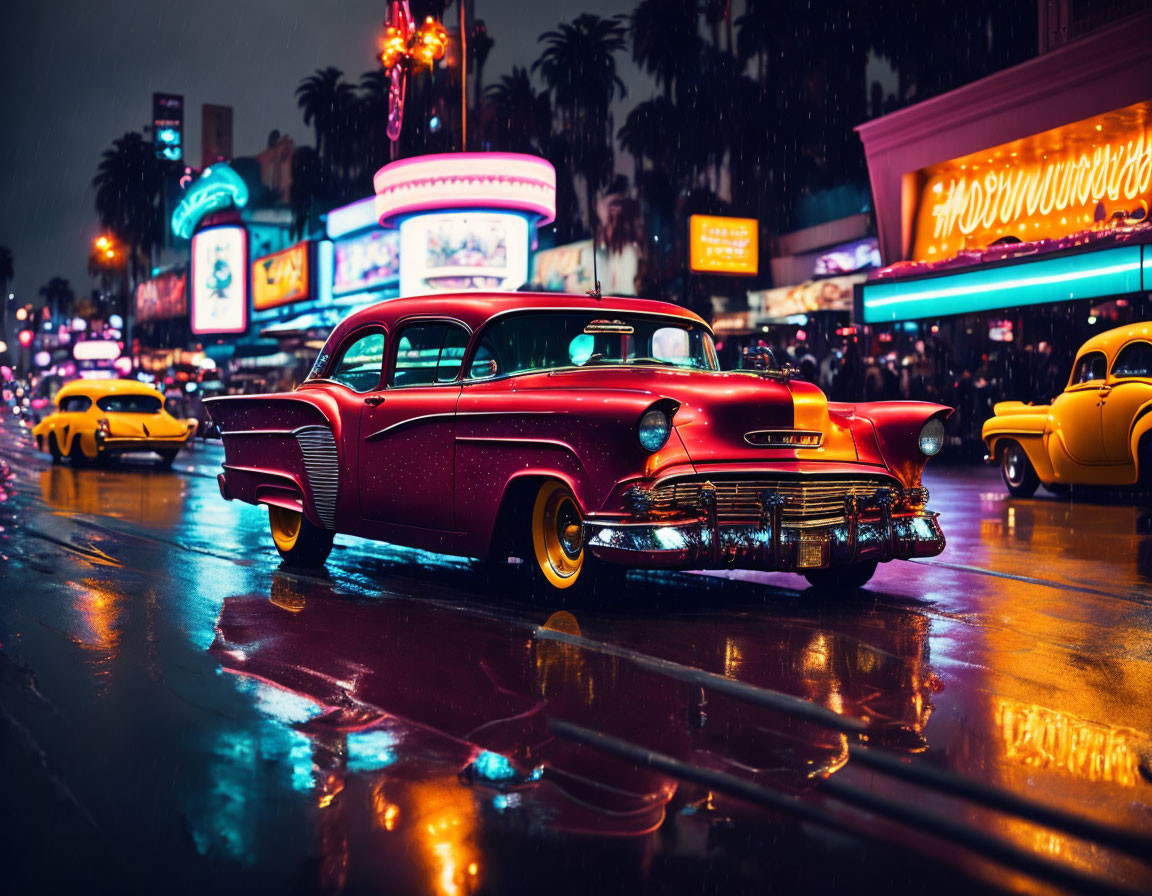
<point x="218" y="188"/>
<point x="162" y="296"/>
<point x="466" y="180"/>
<point x="1046" y="186"/>
<point x="723" y="245"/>
<point x="280" y="278"/>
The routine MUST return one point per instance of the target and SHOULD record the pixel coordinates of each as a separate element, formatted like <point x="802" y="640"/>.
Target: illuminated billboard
<point x="451" y="251"/>
<point x="568" y="268"/>
<point x="280" y="278"/>
<point x="368" y="261"/>
<point x="833" y="294"/>
<point x="220" y="280"/>
<point x="723" y="245"/>
<point x="1046" y="186"/>
<point x="165" y="296"/>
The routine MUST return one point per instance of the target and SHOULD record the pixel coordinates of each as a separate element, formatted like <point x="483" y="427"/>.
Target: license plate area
<point x="811" y="553"/>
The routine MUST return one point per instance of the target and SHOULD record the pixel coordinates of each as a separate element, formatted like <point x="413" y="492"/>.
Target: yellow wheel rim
<point x="558" y="535"/>
<point x="285" y="526"/>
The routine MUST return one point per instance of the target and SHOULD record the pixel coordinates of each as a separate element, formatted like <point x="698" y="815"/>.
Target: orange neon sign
<point x="280" y="278"/>
<point x="1045" y="186"/>
<point x="723" y="245"/>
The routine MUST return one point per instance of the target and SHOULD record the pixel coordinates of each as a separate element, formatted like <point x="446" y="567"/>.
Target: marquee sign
<point x="1046" y="186"/>
<point x="280" y="278"/>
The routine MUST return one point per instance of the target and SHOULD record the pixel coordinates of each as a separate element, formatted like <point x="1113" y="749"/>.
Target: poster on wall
<point x="368" y="261"/>
<point x="463" y="251"/>
<point x="220" y="280"/>
<point x="723" y="245"/>
<point x="280" y="278"/>
<point x="568" y="269"/>
<point x="162" y="297"/>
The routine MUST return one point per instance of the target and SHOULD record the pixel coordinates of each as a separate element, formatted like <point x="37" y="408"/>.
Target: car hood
<point x="719" y="409"/>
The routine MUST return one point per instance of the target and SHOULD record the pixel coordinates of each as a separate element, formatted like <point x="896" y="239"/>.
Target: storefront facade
<point x="1012" y="217"/>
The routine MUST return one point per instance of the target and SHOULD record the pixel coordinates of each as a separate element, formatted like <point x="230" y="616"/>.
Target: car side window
<point x="361" y="363"/>
<point x="1089" y="367"/>
<point x="1135" y="359"/>
<point x="75" y="404"/>
<point x="428" y="353"/>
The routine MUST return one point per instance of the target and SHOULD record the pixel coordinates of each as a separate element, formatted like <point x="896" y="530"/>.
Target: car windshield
<point x="130" y="404"/>
<point x="553" y="340"/>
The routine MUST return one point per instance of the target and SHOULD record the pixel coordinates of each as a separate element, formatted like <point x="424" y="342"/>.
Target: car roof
<point x="474" y="309"/>
<point x="100" y="388"/>
<point x="1111" y="340"/>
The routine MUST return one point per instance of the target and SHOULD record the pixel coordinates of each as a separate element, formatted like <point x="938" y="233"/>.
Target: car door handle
<point x="373" y="400"/>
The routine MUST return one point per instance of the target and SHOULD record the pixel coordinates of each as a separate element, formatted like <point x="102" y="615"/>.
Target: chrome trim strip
<point x="322" y="465"/>
<point x="408" y="421"/>
<point x="783" y="432"/>
<point x="257" y="432"/>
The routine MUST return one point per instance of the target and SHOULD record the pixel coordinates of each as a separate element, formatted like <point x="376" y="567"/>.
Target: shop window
<point x="1089" y="367"/>
<point x="360" y="365"/>
<point x="429" y="353"/>
<point x="1135" y="359"/>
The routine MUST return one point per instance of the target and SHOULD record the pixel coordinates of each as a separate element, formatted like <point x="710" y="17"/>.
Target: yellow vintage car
<point x="100" y="418"/>
<point x="1096" y="432"/>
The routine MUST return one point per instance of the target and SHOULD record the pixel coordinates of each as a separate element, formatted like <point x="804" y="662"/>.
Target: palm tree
<point x="129" y="197"/>
<point x="58" y="296"/>
<point x="306" y="192"/>
<point x="324" y="98"/>
<point x="579" y="66"/>
<point x="516" y="117"/>
<point x="665" y="39"/>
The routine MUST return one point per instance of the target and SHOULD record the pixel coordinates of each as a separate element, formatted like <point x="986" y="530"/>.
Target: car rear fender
<point x="281" y="450"/>
<point x="1141" y="427"/>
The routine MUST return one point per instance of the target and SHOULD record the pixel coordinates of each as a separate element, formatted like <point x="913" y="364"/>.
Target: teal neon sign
<point x="1086" y="275"/>
<point x="218" y="188"/>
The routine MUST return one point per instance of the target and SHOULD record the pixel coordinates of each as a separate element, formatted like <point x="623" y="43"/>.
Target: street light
<point x="403" y="48"/>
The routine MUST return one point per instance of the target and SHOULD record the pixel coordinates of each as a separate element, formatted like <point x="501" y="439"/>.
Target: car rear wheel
<point x="1019" y="475"/>
<point x="841" y="579"/>
<point x="299" y="542"/>
<point x="76" y="453"/>
<point x="54" y="448"/>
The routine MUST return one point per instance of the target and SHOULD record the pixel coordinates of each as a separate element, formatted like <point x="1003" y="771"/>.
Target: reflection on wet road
<point x="178" y="713"/>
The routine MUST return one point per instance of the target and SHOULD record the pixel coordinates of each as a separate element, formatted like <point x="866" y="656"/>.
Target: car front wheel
<point x="1019" y="475"/>
<point x="299" y="542"/>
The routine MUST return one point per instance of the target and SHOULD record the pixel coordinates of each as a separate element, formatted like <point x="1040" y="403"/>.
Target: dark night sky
<point x="77" y="75"/>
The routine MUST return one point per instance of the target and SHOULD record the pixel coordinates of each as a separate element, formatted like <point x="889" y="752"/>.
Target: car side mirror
<point x="482" y="370"/>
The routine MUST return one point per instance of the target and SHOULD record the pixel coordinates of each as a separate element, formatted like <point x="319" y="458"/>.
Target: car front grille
<point x="807" y="502"/>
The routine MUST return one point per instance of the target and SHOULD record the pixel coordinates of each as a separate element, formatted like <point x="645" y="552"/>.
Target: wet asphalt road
<point x="179" y="714"/>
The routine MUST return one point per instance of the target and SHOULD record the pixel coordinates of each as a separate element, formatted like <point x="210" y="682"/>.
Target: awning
<point x="1065" y="278"/>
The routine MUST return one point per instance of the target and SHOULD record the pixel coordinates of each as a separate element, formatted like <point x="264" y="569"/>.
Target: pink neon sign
<point x="472" y="180"/>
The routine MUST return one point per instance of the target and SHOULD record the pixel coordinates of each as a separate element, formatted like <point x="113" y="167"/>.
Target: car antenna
<point x="594" y="292"/>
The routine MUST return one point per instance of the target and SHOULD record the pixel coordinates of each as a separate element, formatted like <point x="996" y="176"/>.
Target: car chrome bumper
<point x="874" y="532"/>
<point x="119" y="445"/>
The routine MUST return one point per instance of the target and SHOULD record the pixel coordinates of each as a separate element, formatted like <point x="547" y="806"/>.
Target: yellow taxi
<point x="1096" y="432"/>
<point x="100" y="418"/>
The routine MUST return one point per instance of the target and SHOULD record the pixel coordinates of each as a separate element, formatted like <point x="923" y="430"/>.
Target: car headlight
<point x="655" y="427"/>
<point x="932" y="436"/>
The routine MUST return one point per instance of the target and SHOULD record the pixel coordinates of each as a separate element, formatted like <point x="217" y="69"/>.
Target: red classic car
<point x="580" y="435"/>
